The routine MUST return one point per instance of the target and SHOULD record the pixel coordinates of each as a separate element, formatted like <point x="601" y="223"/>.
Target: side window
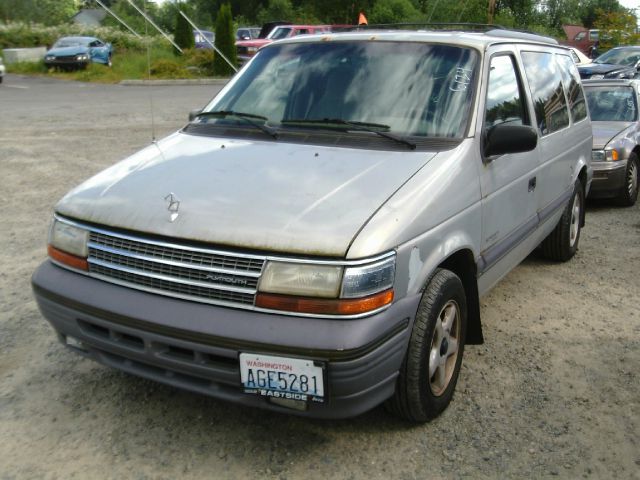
<point x="504" y="99"/>
<point x="545" y="80"/>
<point x="580" y="36"/>
<point x="571" y="79"/>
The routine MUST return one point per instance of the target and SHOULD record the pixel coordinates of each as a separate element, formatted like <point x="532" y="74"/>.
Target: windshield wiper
<point x="247" y="117"/>
<point x="376" y="128"/>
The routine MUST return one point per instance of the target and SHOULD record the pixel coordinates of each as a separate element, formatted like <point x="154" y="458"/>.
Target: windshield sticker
<point x="461" y="79"/>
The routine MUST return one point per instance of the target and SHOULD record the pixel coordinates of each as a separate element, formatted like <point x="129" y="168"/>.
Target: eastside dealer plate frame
<point x="288" y="378"/>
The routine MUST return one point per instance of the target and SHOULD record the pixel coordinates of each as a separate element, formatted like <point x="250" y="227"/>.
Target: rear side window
<point x="504" y="101"/>
<point x="571" y="79"/>
<point x="545" y="80"/>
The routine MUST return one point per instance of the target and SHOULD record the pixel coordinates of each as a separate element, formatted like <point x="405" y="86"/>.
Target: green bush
<point x="184" y="33"/>
<point x="22" y="35"/>
<point x="225" y="42"/>
<point x="201" y="59"/>
<point x="165" y="68"/>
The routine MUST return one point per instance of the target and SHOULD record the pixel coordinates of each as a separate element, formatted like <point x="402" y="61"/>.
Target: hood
<point x="68" y="51"/>
<point x="601" y="68"/>
<point x="269" y="196"/>
<point x="604" y="132"/>
<point x="253" y="43"/>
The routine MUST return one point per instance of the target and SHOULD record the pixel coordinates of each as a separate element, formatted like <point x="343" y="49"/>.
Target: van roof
<point x="475" y="39"/>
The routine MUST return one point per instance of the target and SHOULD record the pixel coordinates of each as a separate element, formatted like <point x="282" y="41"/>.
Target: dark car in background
<point x="247" y="33"/>
<point x="78" y="52"/>
<point x="613" y="106"/>
<point x="619" y="62"/>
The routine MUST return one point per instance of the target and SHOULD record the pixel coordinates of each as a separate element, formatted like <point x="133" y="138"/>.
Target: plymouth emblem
<point x="173" y="205"/>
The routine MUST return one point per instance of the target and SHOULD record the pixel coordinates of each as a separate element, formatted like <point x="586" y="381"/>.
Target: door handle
<point x="532" y="184"/>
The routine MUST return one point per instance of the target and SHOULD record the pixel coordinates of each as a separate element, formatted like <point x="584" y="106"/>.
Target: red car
<point x="247" y="48"/>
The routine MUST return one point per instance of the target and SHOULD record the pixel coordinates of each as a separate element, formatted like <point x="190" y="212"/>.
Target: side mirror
<point x="194" y="113"/>
<point x="502" y="139"/>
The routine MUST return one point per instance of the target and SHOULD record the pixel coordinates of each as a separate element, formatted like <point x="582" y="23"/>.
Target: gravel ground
<point x="554" y="391"/>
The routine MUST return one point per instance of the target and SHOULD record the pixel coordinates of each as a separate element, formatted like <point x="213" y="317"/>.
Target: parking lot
<point x="554" y="391"/>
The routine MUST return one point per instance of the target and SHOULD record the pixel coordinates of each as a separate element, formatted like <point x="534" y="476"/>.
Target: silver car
<point x="317" y="238"/>
<point x="613" y="106"/>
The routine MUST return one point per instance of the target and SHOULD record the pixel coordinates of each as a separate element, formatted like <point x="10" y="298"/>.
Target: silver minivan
<point x="317" y="238"/>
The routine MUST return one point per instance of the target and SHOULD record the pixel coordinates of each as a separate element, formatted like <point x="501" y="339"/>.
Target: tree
<point x="183" y="35"/>
<point x="225" y="42"/>
<point x="394" y="11"/>
<point x="47" y="12"/>
<point x="616" y="28"/>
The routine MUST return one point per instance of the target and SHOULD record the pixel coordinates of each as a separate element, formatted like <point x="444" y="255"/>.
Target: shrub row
<point x="22" y="35"/>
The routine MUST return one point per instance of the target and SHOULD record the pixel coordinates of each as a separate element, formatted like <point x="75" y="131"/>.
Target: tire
<point x="629" y="193"/>
<point x="562" y="243"/>
<point x="431" y="366"/>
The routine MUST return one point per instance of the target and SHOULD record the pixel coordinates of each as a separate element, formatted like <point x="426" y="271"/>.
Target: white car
<point x="578" y="57"/>
<point x="2" y="70"/>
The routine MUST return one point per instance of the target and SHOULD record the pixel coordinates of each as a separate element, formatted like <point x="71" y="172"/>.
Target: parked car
<point x="2" y="70"/>
<point x="247" y="33"/>
<point x="318" y="244"/>
<point x="204" y="38"/>
<point x="579" y="58"/>
<point x="247" y="49"/>
<point x="619" y="62"/>
<point x="78" y="52"/>
<point x="581" y="38"/>
<point x="613" y="106"/>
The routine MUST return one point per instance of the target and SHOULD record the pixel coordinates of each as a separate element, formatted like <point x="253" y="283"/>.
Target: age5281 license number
<point x="282" y="377"/>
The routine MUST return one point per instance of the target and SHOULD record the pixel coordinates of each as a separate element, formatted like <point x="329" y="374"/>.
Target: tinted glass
<point x="504" y="102"/>
<point x="612" y="104"/>
<point x="545" y="80"/>
<point x="413" y="88"/>
<point x="571" y="78"/>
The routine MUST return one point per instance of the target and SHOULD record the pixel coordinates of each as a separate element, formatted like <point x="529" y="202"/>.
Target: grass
<point x="126" y="66"/>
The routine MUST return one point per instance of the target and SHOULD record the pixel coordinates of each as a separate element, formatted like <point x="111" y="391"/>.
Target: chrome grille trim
<point x="116" y="251"/>
<point x="112" y="266"/>
<point x="173" y="269"/>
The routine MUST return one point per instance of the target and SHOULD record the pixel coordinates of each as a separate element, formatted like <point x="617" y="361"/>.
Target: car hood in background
<point x="604" y="132"/>
<point x="259" y="195"/>
<point x="590" y="69"/>
<point x="68" y="51"/>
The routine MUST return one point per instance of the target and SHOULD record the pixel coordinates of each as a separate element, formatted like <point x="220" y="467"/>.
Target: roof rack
<point x="489" y="29"/>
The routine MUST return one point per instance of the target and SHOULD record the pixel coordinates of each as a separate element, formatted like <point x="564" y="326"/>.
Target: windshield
<point x="612" y="104"/>
<point x="407" y="88"/>
<point x="71" y="42"/>
<point x="279" y="33"/>
<point x="623" y="56"/>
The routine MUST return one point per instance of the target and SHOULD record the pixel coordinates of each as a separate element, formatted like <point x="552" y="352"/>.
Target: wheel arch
<point x="583" y="178"/>
<point x="462" y="263"/>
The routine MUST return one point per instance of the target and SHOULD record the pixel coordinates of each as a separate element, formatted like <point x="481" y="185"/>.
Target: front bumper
<point x="196" y="346"/>
<point x="608" y="179"/>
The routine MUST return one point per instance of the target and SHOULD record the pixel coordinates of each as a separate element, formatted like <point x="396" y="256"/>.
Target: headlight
<point x="301" y="279"/>
<point x="326" y="289"/>
<point x="49" y="58"/>
<point x="81" y="57"/>
<point x="612" y="155"/>
<point x="68" y="244"/>
<point x="597" y="155"/>
<point x="252" y="49"/>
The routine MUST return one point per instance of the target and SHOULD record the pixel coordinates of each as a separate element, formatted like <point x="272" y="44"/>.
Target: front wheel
<point x="431" y="366"/>
<point x="562" y="243"/>
<point x="629" y="193"/>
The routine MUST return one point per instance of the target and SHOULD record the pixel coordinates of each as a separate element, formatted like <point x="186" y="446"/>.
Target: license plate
<point x="281" y="377"/>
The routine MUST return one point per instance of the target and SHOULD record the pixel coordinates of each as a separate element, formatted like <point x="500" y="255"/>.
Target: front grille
<point x="173" y="269"/>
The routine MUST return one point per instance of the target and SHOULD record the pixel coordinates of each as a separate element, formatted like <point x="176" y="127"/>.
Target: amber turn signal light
<point x="323" y="306"/>
<point x="72" y="261"/>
